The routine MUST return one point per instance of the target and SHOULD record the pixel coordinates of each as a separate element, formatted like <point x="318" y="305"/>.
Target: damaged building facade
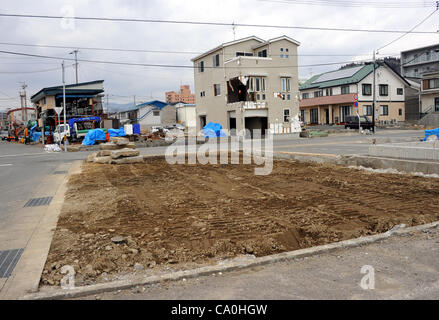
<point x="249" y="83"/>
<point x="82" y="100"/>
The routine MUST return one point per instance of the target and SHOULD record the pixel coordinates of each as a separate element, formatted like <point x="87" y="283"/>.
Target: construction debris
<point x="118" y="151"/>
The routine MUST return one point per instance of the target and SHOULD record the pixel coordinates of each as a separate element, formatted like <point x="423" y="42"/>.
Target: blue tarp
<point x="72" y="121"/>
<point x="136" y="128"/>
<point x="434" y="132"/>
<point x="92" y="136"/>
<point x="213" y="130"/>
<point x="35" y="136"/>
<point x="116" y="132"/>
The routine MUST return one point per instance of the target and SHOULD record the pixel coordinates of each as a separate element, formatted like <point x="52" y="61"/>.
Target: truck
<point x="76" y="129"/>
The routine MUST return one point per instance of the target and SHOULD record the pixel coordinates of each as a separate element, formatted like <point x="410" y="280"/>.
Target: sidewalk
<point x="406" y="267"/>
<point x="26" y="234"/>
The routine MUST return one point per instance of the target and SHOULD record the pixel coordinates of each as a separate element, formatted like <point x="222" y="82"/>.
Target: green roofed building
<point x="329" y="97"/>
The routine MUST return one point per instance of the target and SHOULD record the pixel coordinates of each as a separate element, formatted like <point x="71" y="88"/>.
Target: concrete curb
<point x="228" y="266"/>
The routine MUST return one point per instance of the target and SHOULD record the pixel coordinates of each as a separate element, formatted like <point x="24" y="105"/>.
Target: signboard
<point x="355" y="97"/>
<point x="58" y="110"/>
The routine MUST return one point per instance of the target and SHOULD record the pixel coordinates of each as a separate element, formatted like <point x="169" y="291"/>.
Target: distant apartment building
<point x="185" y="95"/>
<point x="416" y="62"/>
<point x="430" y="92"/>
<point x="248" y="83"/>
<point x="329" y="97"/>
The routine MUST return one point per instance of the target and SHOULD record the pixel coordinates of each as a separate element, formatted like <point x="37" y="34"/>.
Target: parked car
<point x="4" y="135"/>
<point x="351" y="122"/>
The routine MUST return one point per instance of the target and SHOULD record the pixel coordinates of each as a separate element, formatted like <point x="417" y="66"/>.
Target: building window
<point x="318" y="94"/>
<point x="262" y="53"/>
<point x="202" y="93"/>
<point x="367" y="110"/>
<point x="201" y="66"/>
<point x="288" y="96"/>
<point x="384" y="90"/>
<point x="367" y="89"/>
<point x="344" y="112"/>
<point x="302" y="116"/>
<point x="399" y="91"/>
<point x="247" y="54"/>
<point x="43" y="101"/>
<point x="286" y="115"/>
<point x="344" y="89"/>
<point x="329" y="92"/>
<point x="156" y="113"/>
<point x="286" y="84"/>
<point x="384" y="110"/>
<point x="216" y="62"/>
<point x="216" y="90"/>
<point x="263" y="96"/>
<point x="305" y="95"/>
<point x="400" y="112"/>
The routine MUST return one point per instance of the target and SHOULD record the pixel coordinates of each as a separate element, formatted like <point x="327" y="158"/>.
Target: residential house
<point x="156" y="113"/>
<point x="185" y="95"/>
<point x="149" y="114"/>
<point x="82" y="100"/>
<point x="429" y="99"/>
<point x="329" y="97"/>
<point x="248" y="83"/>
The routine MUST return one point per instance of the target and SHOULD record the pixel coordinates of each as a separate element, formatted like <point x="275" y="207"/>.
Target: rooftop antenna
<point x="234" y="30"/>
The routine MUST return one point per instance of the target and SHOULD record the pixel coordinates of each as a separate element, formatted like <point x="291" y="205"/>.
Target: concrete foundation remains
<point x="428" y="150"/>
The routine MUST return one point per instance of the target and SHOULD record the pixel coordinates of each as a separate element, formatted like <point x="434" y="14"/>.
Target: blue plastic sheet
<point x="116" y="132"/>
<point x="213" y="130"/>
<point x="434" y="132"/>
<point x="36" y="136"/>
<point x="92" y="136"/>
<point x="136" y="128"/>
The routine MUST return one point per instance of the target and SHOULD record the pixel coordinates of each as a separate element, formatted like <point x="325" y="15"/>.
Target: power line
<point x="170" y="51"/>
<point x="224" y="24"/>
<point x="25" y="72"/>
<point x="411" y="30"/>
<point x="168" y="65"/>
<point x="369" y="4"/>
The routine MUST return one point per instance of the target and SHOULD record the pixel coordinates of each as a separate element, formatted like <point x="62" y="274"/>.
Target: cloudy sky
<point x="123" y="82"/>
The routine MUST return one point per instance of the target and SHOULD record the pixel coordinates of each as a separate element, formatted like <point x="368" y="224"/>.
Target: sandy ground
<point x="179" y="216"/>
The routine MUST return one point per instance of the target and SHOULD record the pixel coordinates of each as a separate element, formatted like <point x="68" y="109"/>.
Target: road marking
<point x="310" y="154"/>
<point x="6" y="165"/>
<point x="23" y="154"/>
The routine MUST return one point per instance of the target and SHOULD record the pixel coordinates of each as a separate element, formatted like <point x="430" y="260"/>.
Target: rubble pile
<point x="118" y="151"/>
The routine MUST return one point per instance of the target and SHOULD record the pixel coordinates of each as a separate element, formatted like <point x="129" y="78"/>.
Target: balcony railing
<point x="255" y="105"/>
<point x="434" y="56"/>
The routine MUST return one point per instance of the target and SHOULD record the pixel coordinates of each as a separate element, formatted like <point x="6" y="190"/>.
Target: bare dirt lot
<point x="175" y="216"/>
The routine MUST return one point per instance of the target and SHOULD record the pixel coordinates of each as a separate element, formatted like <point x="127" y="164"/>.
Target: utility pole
<point x="374" y="95"/>
<point x="23" y="103"/>
<point x="64" y="106"/>
<point x="76" y="63"/>
<point x="134" y="101"/>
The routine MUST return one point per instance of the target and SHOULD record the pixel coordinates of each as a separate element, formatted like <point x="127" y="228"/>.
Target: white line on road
<point x="23" y="154"/>
<point x="6" y="165"/>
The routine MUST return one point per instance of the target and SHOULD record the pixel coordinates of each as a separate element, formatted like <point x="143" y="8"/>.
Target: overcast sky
<point x="147" y="82"/>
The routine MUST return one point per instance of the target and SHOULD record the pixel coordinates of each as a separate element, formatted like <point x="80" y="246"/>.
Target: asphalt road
<point x="22" y="168"/>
